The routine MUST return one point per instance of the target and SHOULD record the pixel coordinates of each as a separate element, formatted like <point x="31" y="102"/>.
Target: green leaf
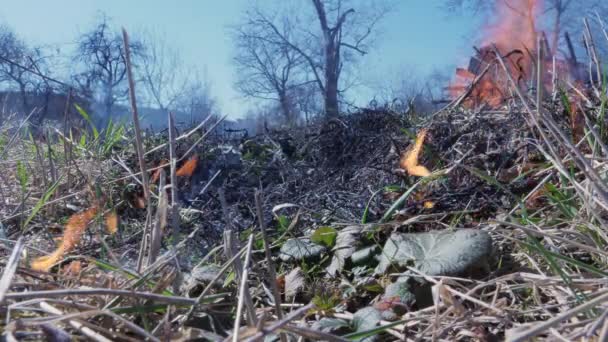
<point x="283" y="223"/>
<point x="41" y="202"/>
<point x="83" y="141"/>
<point x="399" y="202"/>
<point x="22" y="175"/>
<point x="561" y="200"/>
<point x="372" y="332"/>
<point x="84" y="114"/>
<point x="229" y="279"/>
<point x="325" y="236"/>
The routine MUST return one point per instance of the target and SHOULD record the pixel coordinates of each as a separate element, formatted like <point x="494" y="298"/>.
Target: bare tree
<point x="101" y="53"/>
<point x="267" y="69"/>
<point x="18" y="62"/>
<point x="164" y="74"/>
<point x="342" y="34"/>
<point x="196" y="100"/>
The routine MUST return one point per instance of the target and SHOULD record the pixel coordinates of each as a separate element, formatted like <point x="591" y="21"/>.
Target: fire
<point x="514" y="33"/>
<point x="409" y="161"/>
<point x="515" y="28"/>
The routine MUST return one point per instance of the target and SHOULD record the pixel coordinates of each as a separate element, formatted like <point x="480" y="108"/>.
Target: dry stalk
<point x="10" y="268"/>
<point x="546" y="120"/>
<point x="592" y="50"/>
<point x="271" y="270"/>
<point x="160" y="221"/>
<point x="219" y="274"/>
<point x="88" y="332"/>
<point x="244" y="287"/>
<point x="139" y="147"/>
<point x="230" y="250"/>
<point x="313" y="335"/>
<point x="296" y="314"/>
<point x="67" y="150"/>
<point x="174" y="202"/>
<point x="553" y="322"/>
<point x="101" y="291"/>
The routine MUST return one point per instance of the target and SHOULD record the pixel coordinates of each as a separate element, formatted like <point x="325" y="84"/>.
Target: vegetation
<point x="484" y="220"/>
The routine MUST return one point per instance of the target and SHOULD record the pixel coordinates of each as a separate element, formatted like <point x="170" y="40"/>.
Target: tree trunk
<point x="286" y="108"/>
<point x="332" y="63"/>
<point x="332" y="108"/>
<point x="556" y="31"/>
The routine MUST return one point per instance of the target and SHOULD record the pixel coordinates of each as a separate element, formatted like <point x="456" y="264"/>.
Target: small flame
<point x="72" y="234"/>
<point x="188" y="168"/>
<point x="409" y="161"/>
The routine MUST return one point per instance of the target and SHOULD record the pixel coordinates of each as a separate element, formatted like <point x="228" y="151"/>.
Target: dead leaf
<point x="139" y="202"/>
<point x="441" y="293"/>
<point x="281" y="283"/>
<point x="536" y="199"/>
<point x="409" y="161"/>
<point x="294" y="283"/>
<point x="73" y="268"/>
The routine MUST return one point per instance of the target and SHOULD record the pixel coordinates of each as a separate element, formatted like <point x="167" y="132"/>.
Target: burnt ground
<point x="341" y="172"/>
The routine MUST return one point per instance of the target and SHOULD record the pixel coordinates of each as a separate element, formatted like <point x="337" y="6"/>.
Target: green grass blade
<point x="84" y="114"/>
<point x="41" y="202"/>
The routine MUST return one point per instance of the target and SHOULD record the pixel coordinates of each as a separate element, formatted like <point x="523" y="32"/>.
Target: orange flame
<point x="72" y="234"/>
<point x="514" y="33"/>
<point x="188" y="168"/>
<point x="409" y="161"/>
<point x="156" y="174"/>
<point x="515" y="26"/>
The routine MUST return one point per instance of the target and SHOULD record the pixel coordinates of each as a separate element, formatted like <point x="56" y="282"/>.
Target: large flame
<point x="514" y="25"/>
<point x="514" y="33"/>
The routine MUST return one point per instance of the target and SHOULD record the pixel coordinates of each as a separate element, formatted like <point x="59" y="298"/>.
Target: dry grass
<point x="549" y="280"/>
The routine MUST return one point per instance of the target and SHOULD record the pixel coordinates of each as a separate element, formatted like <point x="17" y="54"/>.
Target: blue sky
<point x="417" y="35"/>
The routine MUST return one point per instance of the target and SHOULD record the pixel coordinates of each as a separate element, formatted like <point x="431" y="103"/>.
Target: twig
<point x="539" y="328"/>
<point x="88" y="332"/>
<point x="174" y="202"/>
<point x="202" y="137"/>
<point x="100" y="291"/>
<point x="219" y="274"/>
<point x="315" y="335"/>
<point x="279" y="324"/>
<point x="229" y="249"/>
<point x="181" y="137"/>
<point x="67" y="150"/>
<point x="160" y="221"/>
<point x="10" y="268"/>
<point x="175" y="224"/>
<point x="242" y="289"/>
<point x="271" y="270"/>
